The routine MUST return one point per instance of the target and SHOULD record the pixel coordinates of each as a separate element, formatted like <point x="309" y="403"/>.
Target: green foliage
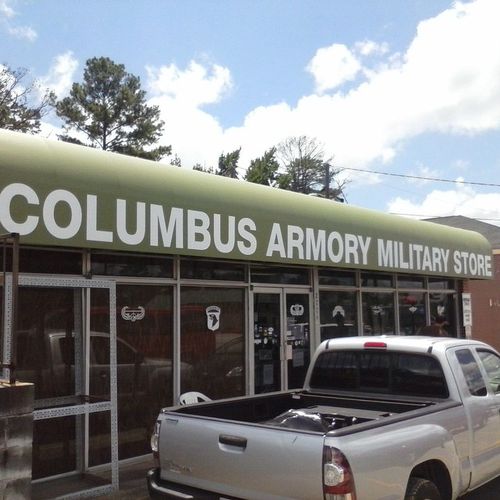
<point x="302" y="159"/>
<point x="21" y="106"/>
<point x="109" y="111"/>
<point x="176" y="161"/>
<point x="305" y="170"/>
<point x="207" y="170"/>
<point x="264" y="170"/>
<point x="227" y="167"/>
<point x="228" y="164"/>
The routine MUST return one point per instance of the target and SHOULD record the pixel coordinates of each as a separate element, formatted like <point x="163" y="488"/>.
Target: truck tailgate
<point x="241" y="460"/>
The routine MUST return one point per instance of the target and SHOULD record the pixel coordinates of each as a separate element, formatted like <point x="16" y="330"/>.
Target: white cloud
<point x="332" y="66"/>
<point x="461" y="200"/>
<point x="369" y="48"/>
<point x="7" y="13"/>
<point x="446" y="82"/>
<point x="196" y="136"/>
<point x="22" y="32"/>
<point x="425" y="172"/>
<point x="6" y="10"/>
<point x="61" y="74"/>
<point x="194" y="86"/>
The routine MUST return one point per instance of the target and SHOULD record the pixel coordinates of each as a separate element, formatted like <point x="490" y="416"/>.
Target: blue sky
<point x="407" y="87"/>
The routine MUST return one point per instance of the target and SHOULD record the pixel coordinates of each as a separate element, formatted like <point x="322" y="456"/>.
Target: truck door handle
<point x="238" y="441"/>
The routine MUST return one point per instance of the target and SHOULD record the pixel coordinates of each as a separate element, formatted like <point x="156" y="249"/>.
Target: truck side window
<point x="491" y="364"/>
<point x="472" y="373"/>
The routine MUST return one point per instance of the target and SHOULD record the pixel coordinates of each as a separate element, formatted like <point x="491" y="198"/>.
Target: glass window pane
<point x="378" y="313"/>
<point x="209" y="270"/>
<point x="33" y="260"/>
<point x="410" y="282"/>
<point x="411" y="312"/>
<point x="267" y="341"/>
<point x="297" y="338"/>
<point x="45" y="340"/>
<point x="54" y="446"/>
<point x="280" y="275"/>
<point x="442" y="311"/>
<point x="418" y="375"/>
<point x="337" y="278"/>
<point x="441" y="284"/>
<point x="383" y="372"/>
<point x="374" y="371"/>
<point x="144" y="359"/>
<point x="338" y="314"/>
<point x="472" y="374"/>
<point x="491" y="364"/>
<point x="213" y="340"/>
<point x="377" y="280"/>
<point x="131" y="265"/>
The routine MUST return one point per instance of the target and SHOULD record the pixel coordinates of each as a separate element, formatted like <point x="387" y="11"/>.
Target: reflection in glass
<point x="131" y="265"/>
<point x="40" y="261"/>
<point x="46" y="346"/>
<point x="378" y="313"/>
<point x="442" y="310"/>
<point x="297" y="338"/>
<point x="54" y="446"/>
<point x="45" y="340"/>
<point x="378" y="280"/>
<point x="441" y="284"/>
<point x="213" y="341"/>
<point x="338" y="313"/>
<point x="267" y="342"/>
<point x="411" y="312"/>
<point x="407" y="281"/>
<point x="337" y="278"/>
<point x="280" y="275"/>
<point x="210" y="270"/>
<point x="144" y="360"/>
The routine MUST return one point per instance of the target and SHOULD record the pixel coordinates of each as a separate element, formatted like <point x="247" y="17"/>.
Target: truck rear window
<point x="383" y="372"/>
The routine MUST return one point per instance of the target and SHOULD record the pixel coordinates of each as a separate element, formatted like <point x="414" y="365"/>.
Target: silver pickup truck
<point x="414" y="418"/>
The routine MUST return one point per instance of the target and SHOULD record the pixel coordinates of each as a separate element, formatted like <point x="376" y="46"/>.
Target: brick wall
<point x="485" y="295"/>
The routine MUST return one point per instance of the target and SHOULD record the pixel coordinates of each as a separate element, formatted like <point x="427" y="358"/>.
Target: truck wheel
<point x="421" y="489"/>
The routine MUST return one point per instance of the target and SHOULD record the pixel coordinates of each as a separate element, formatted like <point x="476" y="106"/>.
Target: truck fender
<point x="434" y="460"/>
<point x="392" y="456"/>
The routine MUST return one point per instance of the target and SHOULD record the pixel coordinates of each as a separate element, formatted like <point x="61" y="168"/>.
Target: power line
<point x="422" y="178"/>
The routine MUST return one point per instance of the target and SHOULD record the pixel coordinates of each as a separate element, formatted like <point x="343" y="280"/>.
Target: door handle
<point x="240" y="442"/>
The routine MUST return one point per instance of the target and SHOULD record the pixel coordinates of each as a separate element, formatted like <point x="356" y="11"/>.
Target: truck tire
<point x="421" y="489"/>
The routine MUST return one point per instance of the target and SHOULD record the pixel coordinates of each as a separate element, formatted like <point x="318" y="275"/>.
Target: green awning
<point x="54" y="193"/>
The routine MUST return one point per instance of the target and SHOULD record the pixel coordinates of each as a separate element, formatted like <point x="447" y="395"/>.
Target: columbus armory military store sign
<point x="56" y="194"/>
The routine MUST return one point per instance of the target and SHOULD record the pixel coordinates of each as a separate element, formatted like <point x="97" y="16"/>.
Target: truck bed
<point x="301" y="410"/>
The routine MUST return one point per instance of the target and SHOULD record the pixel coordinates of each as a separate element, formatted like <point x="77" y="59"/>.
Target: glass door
<point x="281" y="338"/>
<point x="298" y="347"/>
<point x="267" y="340"/>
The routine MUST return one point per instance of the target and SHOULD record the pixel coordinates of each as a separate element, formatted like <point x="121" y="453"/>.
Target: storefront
<point x="189" y="281"/>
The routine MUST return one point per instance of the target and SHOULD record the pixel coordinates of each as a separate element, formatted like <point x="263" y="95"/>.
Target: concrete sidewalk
<point x="132" y="479"/>
<point x="132" y="482"/>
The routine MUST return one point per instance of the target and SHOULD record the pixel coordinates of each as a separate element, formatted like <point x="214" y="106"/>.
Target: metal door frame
<point x="83" y="408"/>
<point x="282" y="291"/>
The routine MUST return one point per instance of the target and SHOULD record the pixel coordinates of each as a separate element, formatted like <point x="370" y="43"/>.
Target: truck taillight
<point x="375" y="345"/>
<point x="155" y="441"/>
<point x="338" y="482"/>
